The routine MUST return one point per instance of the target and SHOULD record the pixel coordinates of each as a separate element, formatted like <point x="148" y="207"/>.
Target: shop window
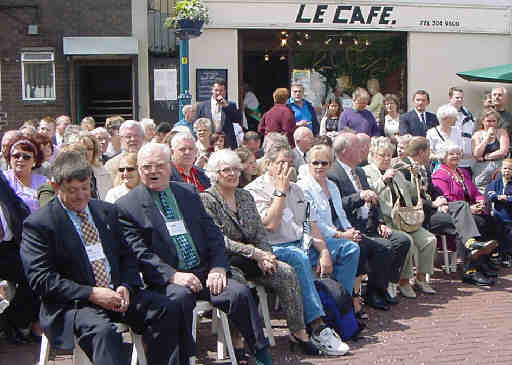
<point x="38" y="75"/>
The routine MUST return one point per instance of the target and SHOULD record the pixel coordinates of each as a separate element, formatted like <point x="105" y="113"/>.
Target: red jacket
<point x="278" y="119"/>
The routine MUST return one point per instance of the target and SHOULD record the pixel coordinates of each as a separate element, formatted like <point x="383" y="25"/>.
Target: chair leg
<point x="45" y="350"/>
<point x="263" y="307"/>
<point x="195" y="318"/>
<point x="445" y="255"/>
<point x="224" y="338"/>
<point x="138" y="353"/>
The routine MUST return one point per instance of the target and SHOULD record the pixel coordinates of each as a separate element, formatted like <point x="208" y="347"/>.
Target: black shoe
<point x="305" y="347"/>
<point x="494" y="266"/>
<point x="389" y="299"/>
<point x="506" y="260"/>
<point x="485" y="269"/>
<point x="476" y="278"/>
<point x="376" y="301"/>
<point x="479" y="248"/>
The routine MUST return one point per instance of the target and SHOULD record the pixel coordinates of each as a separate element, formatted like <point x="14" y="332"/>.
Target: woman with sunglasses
<point x="126" y="179"/>
<point x="22" y="155"/>
<point x="325" y="200"/>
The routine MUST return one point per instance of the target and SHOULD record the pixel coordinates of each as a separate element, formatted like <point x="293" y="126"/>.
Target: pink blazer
<point x="450" y="189"/>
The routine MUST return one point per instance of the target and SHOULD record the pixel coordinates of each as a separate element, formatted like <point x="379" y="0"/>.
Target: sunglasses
<point x="127" y="169"/>
<point x="317" y="163"/>
<point x="24" y="156"/>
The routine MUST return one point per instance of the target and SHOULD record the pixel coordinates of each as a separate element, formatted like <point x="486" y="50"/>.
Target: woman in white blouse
<point x="391" y="115"/>
<point x="444" y="132"/>
<point x="126" y="179"/>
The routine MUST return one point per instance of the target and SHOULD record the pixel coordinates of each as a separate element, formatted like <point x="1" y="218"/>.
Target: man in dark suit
<point x="24" y="307"/>
<point x="78" y="262"/>
<point x="183" y="155"/>
<point x="385" y="249"/>
<point x="417" y="121"/>
<point x="169" y="220"/>
<point x="221" y="112"/>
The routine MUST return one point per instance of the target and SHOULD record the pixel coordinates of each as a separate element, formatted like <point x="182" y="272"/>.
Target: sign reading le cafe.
<point x="424" y="17"/>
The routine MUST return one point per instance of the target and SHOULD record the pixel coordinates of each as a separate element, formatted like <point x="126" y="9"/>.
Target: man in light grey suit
<point x="303" y="140"/>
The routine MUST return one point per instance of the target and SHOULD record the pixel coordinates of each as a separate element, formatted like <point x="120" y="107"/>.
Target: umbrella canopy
<point x="501" y="73"/>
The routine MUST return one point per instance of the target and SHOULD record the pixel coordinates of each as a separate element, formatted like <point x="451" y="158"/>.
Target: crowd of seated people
<point x="200" y="212"/>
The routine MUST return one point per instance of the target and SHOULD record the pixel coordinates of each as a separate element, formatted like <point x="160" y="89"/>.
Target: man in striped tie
<point x="78" y="262"/>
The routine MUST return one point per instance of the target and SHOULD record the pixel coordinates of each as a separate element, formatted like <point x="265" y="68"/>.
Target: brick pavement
<point x="460" y="325"/>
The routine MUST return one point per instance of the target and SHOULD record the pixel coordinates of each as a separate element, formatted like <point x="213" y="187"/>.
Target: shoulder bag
<point x="408" y="219"/>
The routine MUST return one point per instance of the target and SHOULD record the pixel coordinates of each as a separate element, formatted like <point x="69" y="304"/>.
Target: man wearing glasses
<point x="132" y="137"/>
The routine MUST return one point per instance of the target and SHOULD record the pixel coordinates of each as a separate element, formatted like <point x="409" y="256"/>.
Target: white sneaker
<point x="392" y="290"/>
<point x="329" y="343"/>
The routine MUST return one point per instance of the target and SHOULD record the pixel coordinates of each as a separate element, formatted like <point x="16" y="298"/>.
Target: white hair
<point x="448" y="147"/>
<point x="499" y="87"/>
<point x="221" y="157"/>
<point x="148" y="122"/>
<point x="380" y="144"/>
<point x="99" y="130"/>
<point x="182" y="136"/>
<point x="447" y="111"/>
<point x="151" y="147"/>
<point x="301" y="132"/>
<point x="131" y="124"/>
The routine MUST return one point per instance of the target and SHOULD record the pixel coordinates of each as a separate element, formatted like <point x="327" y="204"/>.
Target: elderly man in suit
<point x="303" y="140"/>
<point x="78" y="262"/>
<point x="223" y="113"/>
<point x="24" y="307"/>
<point x="183" y="155"/>
<point x="386" y="249"/>
<point x="169" y="220"/>
<point x="417" y="121"/>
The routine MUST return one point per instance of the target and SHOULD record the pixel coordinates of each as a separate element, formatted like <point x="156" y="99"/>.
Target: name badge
<point x="175" y="228"/>
<point x="95" y="252"/>
<point x="287" y="214"/>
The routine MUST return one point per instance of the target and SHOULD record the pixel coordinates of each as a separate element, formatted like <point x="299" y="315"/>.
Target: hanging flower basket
<point x="190" y="17"/>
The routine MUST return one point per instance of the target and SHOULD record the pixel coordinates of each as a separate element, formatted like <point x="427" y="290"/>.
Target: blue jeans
<point x="294" y="256"/>
<point x="345" y="259"/>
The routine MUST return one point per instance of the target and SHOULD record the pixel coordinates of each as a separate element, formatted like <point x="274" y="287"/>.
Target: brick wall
<point x="57" y="19"/>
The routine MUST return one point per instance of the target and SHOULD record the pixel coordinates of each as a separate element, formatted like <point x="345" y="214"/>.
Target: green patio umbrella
<point x="501" y="73"/>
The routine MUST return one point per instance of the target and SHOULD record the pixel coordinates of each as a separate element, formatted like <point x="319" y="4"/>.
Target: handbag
<point x="408" y="219"/>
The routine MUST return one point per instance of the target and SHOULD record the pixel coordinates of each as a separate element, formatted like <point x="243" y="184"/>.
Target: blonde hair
<point x="131" y="159"/>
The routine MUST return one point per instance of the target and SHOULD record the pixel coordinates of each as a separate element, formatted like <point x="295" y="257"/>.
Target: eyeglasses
<point x="127" y="169"/>
<point x="155" y="167"/>
<point x="230" y="170"/>
<point x="318" y="163"/>
<point x="24" y="156"/>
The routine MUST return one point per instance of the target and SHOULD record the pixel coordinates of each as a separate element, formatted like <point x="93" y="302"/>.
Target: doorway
<point x="103" y="90"/>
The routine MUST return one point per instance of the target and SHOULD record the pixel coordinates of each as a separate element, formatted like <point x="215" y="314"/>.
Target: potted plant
<point x="189" y="18"/>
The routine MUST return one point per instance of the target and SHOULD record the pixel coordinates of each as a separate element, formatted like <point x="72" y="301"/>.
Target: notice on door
<point x="166" y="85"/>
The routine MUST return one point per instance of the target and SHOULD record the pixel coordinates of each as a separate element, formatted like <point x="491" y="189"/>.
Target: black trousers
<point x="492" y="228"/>
<point x="24" y="307"/>
<point x="236" y="300"/>
<point x="385" y="258"/>
<point x="153" y="315"/>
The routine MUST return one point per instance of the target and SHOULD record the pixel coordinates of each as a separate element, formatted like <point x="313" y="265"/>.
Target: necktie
<point x="184" y="246"/>
<point x="91" y="236"/>
<point x="356" y="179"/>
<point x="423" y="119"/>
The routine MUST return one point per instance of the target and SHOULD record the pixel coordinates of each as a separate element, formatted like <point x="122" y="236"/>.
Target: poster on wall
<point x="166" y="85"/>
<point x="204" y="81"/>
<point x="314" y="85"/>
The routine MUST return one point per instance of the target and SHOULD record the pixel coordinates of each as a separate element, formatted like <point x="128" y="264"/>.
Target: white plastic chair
<point x="223" y="332"/>
<point x="449" y="257"/>
<point x="264" y="311"/>
<point x="80" y="358"/>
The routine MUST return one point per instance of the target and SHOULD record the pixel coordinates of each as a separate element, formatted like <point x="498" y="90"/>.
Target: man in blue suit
<point x="417" y="121"/>
<point x="221" y="112"/>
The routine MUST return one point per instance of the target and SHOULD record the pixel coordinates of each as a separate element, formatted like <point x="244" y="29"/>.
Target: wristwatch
<point x="279" y="194"/>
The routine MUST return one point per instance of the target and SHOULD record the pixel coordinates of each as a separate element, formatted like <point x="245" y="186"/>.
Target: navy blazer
<point x="15" y="210"/>
<point x="229" y="115"/>
<point x="145" y="231"/>
<point x="352" y="201"/>
<point x="59" y="271"/>
<point x="410" y="123"/>
<point x="201" y="176"/>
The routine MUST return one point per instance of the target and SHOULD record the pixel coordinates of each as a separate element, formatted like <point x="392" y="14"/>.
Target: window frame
<point x="50" y="61"/>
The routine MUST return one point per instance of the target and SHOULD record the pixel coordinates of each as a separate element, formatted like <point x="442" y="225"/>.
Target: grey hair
<point x="320" y="147"/>
<point x="148" y="122"/>
<point x="181" y="136"/>
<point x="71" y="133"/>
<point x="131" y="124"/>
<point x="379" y="144"/>
<point x="221" y="157"/>
<point x="274" y="138"/>
<point x="447" y="111"/>
<point x="152" y="146"/>
<point x="99" y="130"/>
<point x="274" y="150"/>
<point x="361" y="92"/>
<point x="301" y="132"/>
<point x="500" y="87"/>
<point x="204" y="122"/>
<point x="403" y="139"/>
<point x="296" y="84"/>
<point x="68" y="166"/>
<point x="342" y="141"/>
<point x="447" y="147"/>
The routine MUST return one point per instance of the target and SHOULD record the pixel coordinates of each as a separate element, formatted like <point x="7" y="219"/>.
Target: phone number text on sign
<point x="440" y="23"/>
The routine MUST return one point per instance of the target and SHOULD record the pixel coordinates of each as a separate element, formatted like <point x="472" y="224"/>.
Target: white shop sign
<point x="342" y="15"/>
